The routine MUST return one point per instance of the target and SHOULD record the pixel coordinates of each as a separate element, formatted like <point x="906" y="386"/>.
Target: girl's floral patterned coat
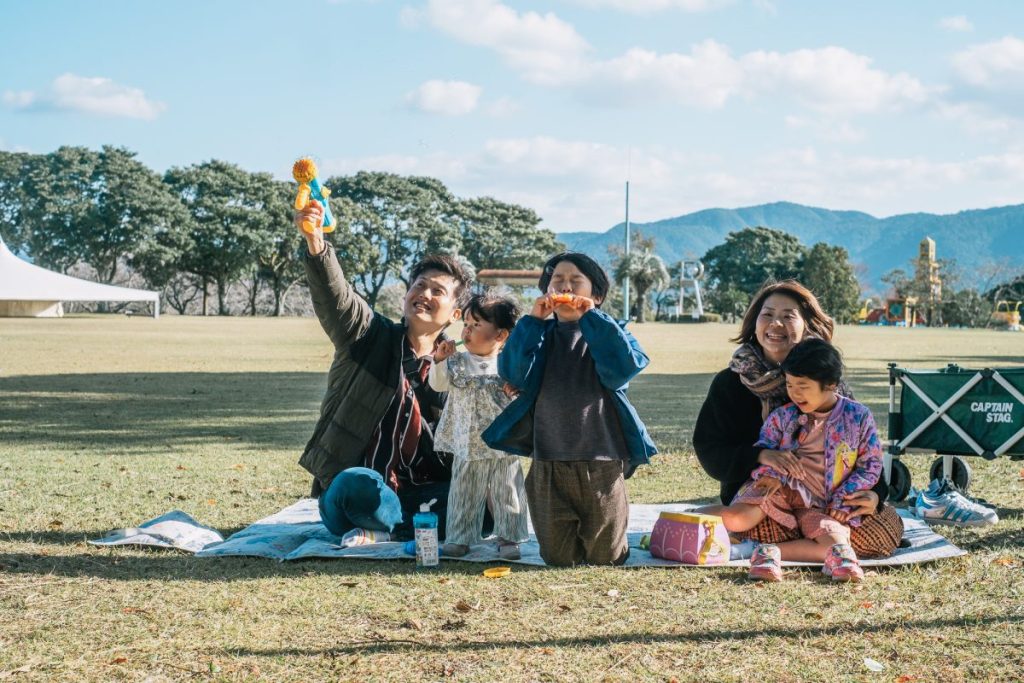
<point x="853" y="451"/>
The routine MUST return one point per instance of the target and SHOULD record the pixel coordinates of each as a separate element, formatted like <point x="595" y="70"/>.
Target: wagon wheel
<point x="961" y="472"/>
<point x="899" y="481"/>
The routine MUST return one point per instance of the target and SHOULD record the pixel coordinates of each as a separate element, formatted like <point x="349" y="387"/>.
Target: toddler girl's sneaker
<point x="509" y="550"/>
<point x="454" y="550"/>
<point x="766" y="563"/>
<point x="842" y="565"/>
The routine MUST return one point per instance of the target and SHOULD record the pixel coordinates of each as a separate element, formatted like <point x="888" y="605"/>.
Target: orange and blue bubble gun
<point x="304" y="171"/>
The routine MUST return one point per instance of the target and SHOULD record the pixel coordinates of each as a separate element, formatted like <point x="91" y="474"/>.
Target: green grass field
<point x="106" y="422"/>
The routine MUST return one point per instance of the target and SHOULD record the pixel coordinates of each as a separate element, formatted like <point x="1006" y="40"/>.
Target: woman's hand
<point x="509" y="390"/>
<point x="861" y="503"/>
<point x="542" y="307"/>
<point x="784" y="462"/>
<point x="313" y="215"/>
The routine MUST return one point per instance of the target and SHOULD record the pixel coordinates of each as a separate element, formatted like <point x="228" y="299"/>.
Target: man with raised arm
<point x="372" y="450"/>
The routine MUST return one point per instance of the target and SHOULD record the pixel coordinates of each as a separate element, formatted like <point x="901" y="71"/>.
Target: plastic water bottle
<point x="424" y="524"/>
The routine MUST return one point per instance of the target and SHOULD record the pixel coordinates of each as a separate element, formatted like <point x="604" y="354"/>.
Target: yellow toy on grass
<point x="304" y="171"/>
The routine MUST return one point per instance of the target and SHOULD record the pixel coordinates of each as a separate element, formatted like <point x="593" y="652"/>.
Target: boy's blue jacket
<point x="617" y="356"/>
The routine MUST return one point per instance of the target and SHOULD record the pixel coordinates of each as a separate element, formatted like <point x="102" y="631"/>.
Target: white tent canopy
<point x="30" y="291"/>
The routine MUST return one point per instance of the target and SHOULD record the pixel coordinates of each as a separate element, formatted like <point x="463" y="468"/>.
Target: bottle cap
<point x="497" y="572"/>
<point x="425" y="507"/>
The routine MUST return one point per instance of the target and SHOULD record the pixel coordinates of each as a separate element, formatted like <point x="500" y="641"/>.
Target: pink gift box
<point x="690" y="538"/>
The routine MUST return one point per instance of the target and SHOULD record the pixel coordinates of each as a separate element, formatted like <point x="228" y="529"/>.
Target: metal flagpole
<point x="625" y="283"/>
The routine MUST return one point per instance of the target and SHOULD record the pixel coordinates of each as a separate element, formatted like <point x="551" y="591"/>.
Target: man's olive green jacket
<point x="364" y="374"/>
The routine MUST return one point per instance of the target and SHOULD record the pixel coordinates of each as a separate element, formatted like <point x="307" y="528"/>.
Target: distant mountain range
<point x="973" y="238"/>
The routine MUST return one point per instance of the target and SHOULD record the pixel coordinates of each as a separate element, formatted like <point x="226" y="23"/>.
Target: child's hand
<point x="444" y="350"/>
<point x="784" y="462"/>
<point x="766" y="486"/>
<point x="582" y="304"/>
<point x="839" y="515"/>
<point x="509" y="390"/>
<point x="542" y="307"/>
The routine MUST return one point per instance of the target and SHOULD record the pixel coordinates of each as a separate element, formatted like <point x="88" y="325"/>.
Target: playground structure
<point x="928" y="283"/>
<point x="1007" y="315"/>
<point x="690" y="275"/>
<point x="898" y="311"/>
<point x="508" y="278"/>
<point x="902" y="309"/>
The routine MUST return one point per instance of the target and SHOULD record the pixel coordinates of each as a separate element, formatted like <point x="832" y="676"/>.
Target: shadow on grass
<point x="1012" y="539"/>
<point x="170" y="565"/>
<point x="845" y="630"/>
<point x="668" y="405"/>
<point x="150" y="411"/>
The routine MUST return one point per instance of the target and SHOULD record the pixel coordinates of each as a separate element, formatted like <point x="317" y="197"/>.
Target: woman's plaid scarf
<point x="762" y="378"/>
<point x="766" y="380"/>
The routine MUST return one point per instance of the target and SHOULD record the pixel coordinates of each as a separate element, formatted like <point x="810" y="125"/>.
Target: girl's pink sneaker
<point x="842" y="565"/>
<point x="766" y="563"/>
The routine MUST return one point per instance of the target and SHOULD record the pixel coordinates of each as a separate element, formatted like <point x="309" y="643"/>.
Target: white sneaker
<point x="942" y="503"/>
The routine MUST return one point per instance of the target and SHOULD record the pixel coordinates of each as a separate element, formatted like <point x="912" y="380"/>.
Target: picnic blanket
<point x="296" y="533"/>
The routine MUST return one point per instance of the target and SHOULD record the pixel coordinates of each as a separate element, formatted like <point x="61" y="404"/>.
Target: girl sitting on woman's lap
<point x="837" y="453"/>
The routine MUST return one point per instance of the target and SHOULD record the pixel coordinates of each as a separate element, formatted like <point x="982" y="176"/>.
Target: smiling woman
<point x="742" y="396"/>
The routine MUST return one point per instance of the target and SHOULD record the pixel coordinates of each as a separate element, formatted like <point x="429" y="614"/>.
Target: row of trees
<point x="214" y="227"/>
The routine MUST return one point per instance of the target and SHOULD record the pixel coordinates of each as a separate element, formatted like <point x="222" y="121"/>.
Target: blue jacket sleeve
<point x="617" y="355"/>
<point x="519" y="357"/>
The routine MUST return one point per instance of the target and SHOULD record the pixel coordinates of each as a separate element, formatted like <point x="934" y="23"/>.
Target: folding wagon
<point x="954" y="412"/>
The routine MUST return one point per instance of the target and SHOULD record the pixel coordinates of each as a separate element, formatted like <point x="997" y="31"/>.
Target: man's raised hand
<point x="312" y="215"/>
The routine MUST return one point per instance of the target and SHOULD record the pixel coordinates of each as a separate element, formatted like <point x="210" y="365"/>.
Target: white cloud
<point x="546" y="50"/>
<point x="958" y="24"/>
<point x="978" y="119"/>
<point x="542" y="47"/>
<point x="92" y="95"/>
<point x="707" y="77"/>
<point x="20" y="99"/>
<point x="832" y="79"/>
<point x="649" y="6"/>
<point x="449" y="98"/>
<point x="995" y="65"/>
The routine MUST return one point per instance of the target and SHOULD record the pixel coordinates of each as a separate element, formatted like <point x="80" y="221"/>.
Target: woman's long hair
<point x="818" y="323"/>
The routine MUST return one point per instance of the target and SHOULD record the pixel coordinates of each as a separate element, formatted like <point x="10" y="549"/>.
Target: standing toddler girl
<point x="480" y="475"/>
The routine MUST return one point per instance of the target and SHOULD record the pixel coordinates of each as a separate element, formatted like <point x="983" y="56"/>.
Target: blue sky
<point x="875" y="106"/>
